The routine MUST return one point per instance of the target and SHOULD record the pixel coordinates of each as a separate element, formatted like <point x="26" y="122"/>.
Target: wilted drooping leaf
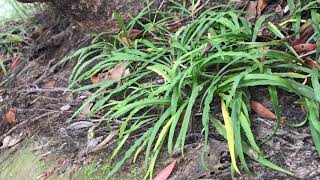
<point x="261" y="110"/>
<point x="166" y="172"/>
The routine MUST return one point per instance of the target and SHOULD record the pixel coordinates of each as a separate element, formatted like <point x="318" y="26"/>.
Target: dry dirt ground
<point x="35" y="92"/>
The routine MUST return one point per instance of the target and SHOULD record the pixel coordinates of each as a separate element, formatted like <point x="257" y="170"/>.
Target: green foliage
<point x="213" y="56"/>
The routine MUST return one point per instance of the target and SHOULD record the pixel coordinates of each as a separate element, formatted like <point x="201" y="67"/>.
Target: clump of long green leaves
<point x="213" y="56"/>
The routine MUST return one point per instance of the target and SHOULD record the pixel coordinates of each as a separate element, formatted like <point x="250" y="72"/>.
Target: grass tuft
<point x="214" y="55"/>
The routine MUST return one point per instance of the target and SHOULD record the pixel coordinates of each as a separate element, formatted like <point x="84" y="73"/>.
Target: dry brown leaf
<point x="261" y="110"/>
<point x="263" y="48"/>
<point x="251" y="11"/>
<point x="310" y="63"/>
<point x="169" y="40"/>
<point x="50" y="84"/>
<point x="261" y="5"/>
<point x="114" y="74"/>
<point x="11" y="116"/>
<point x="132" y="34"/>
<point x="95" y="79"/>
<point x="305" y="35"/>
<point x="16" y="60"/>
<point x="304" y="48"/>
<point x="86" y="110"/>
<point x="166" y="172"/>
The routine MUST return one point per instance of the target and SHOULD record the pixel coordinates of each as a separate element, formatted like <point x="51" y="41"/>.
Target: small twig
<point x="307" y="54"/>
<point x="58" y="89"/>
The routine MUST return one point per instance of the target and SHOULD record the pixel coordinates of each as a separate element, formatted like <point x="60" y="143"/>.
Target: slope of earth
<point x="35" y="104"/>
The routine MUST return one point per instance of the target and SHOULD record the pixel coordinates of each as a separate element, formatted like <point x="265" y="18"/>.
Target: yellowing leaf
<point x="230" y="134"/>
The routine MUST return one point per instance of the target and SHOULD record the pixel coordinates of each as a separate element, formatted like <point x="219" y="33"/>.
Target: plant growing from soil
<point x="178" y="72"/>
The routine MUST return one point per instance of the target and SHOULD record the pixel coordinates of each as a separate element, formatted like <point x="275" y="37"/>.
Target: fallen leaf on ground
<point x="50" y="84"/>
<point x="261" y="5"/>
<point x="95" y="79"/>
<point x="114" y="74"/>
<point x="261" y="110"/>
<point x="166" y="172"/>
<point x="11" y="116"/>
<point x="305" y="35"/>
<point x="132" y="34"/>
<point x="263" y="48"/>
<point x="251" y="11"/>
<point x="169" y="40"/>
<point x="15" y="62"/>
<point x="304" y="48"/>
<point x="310" y="63"/>
<point x="174" y="27"/>
<point x="86" y="110"/>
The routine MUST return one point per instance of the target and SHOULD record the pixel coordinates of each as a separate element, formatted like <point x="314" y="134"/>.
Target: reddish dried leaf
<point x="261" y="5"/>
<point x="305" y="35"/>
<point x="166" y="172"/>
<point x="251" y="11"/>
<point x="95" y="79"/>
<point x="304" y="48"/>
<point x="176" y="26"/>
<point x="132" y="34"/>
<point x="311" y="63"/>
<point x="11" y="116"/>
<point x="15" y="62"/>
<point x="262" y="110"/>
